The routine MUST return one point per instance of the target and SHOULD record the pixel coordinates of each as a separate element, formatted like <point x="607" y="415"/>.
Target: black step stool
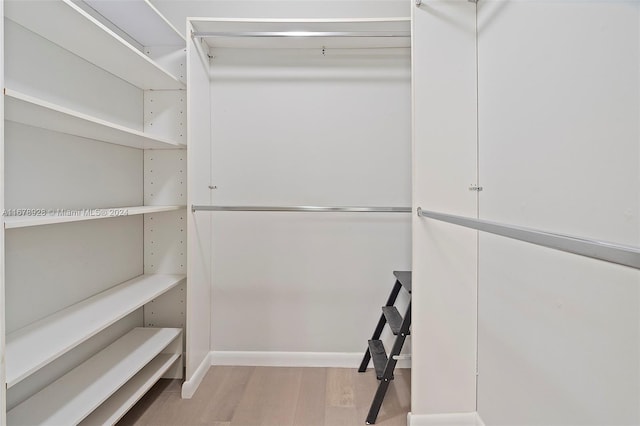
<point x="382" y="363"/>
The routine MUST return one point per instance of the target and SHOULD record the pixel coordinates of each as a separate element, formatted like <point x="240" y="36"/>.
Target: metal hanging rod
<point x="276" y="34"/>
<point x="316" y="209"/>
<point x="601" y="250"/>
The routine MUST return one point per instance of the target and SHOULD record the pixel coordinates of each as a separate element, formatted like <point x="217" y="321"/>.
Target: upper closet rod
<point x="601" y="250"/>
<point x="368" y="34"/>
<point x="302" y="209"/>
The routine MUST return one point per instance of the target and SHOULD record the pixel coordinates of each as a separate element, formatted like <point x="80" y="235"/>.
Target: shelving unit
<point x="75" y="395"/>
<point x="62" y="22"/>
<point x="65" y="216"/>
<point x="26" y="350"/>
<point x="80" y="353"/>
<point x="30" y="110"/>
<point x="103" y="387"/>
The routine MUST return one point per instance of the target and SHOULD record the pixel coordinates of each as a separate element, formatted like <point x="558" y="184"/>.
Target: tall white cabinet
<point x="95" y="225"/>
<point x="536" y="103"/>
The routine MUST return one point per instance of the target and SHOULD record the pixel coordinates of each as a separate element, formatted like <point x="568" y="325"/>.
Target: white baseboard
<point x="275" y="359"/>
<point x="448" y="419"/>
<point x="293" y="359"/>
<point x="190" y="386"/>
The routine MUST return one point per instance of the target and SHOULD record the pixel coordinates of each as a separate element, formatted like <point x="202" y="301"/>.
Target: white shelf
<point x="37" y="344"/>
<point x="36" y="112"/>
<point x="75" y="395"/>
<point x="120" y="402"/>
<point x="68" y="215"/>
<point x="68" y="26"/>
<point x="237" y="30"/>
<point x="141" y="20"/>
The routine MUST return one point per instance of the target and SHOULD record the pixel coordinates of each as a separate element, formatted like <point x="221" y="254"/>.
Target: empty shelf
<point x="75" y="395"/>
<point x="62" y="22"/>
<point x="304" y="34"/>
<point x="142" y="22"/>
<point x="68" y="215"/>
<point x="36" y="112"/>
<point x="120" y="402"/>
<point x="37" y="344"/>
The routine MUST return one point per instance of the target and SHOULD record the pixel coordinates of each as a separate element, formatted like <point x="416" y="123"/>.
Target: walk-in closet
<point x="320" y="213"/>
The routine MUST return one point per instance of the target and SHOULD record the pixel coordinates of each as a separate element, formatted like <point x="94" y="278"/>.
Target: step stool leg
<point x="365" y="361"/>
<point x="388" y="370"/>
<point x="377" y="401"/>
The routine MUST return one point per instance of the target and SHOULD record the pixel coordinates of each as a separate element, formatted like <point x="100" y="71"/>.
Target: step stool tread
<point x="394" y="319"/>
<point x="405" y="279"/>
<point x="378" y="356"/>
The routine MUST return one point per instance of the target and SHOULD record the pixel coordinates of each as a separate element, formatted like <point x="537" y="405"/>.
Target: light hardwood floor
<point x="274" y="396"/>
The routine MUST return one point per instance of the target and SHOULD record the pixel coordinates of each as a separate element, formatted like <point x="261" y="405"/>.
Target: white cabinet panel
<point x="559" y="144"/>
<point x="444" y="165"/>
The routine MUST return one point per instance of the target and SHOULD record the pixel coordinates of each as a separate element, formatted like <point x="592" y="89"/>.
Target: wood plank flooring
<point x="274" y="396"/>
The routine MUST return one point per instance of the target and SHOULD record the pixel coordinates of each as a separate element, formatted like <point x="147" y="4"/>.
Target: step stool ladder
<point x="399" y="325"/>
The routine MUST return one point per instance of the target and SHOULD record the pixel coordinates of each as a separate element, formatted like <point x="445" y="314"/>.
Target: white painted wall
<point x="296" y="127"/>
<point x="444" y="166"/>
<point x="39" y="172"/>
<point x="559" y="335"/>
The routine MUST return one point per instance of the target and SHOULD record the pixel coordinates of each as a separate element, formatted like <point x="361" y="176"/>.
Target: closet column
<point x="444" y="168"/>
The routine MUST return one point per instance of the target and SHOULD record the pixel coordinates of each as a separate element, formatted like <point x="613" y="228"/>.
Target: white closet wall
<point x="76" y="127"/>
<point x="326" y="129"/>
<point x="559" y="143"/>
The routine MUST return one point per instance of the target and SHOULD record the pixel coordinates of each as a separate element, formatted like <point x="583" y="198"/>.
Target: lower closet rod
<point x="195" y="208"/>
